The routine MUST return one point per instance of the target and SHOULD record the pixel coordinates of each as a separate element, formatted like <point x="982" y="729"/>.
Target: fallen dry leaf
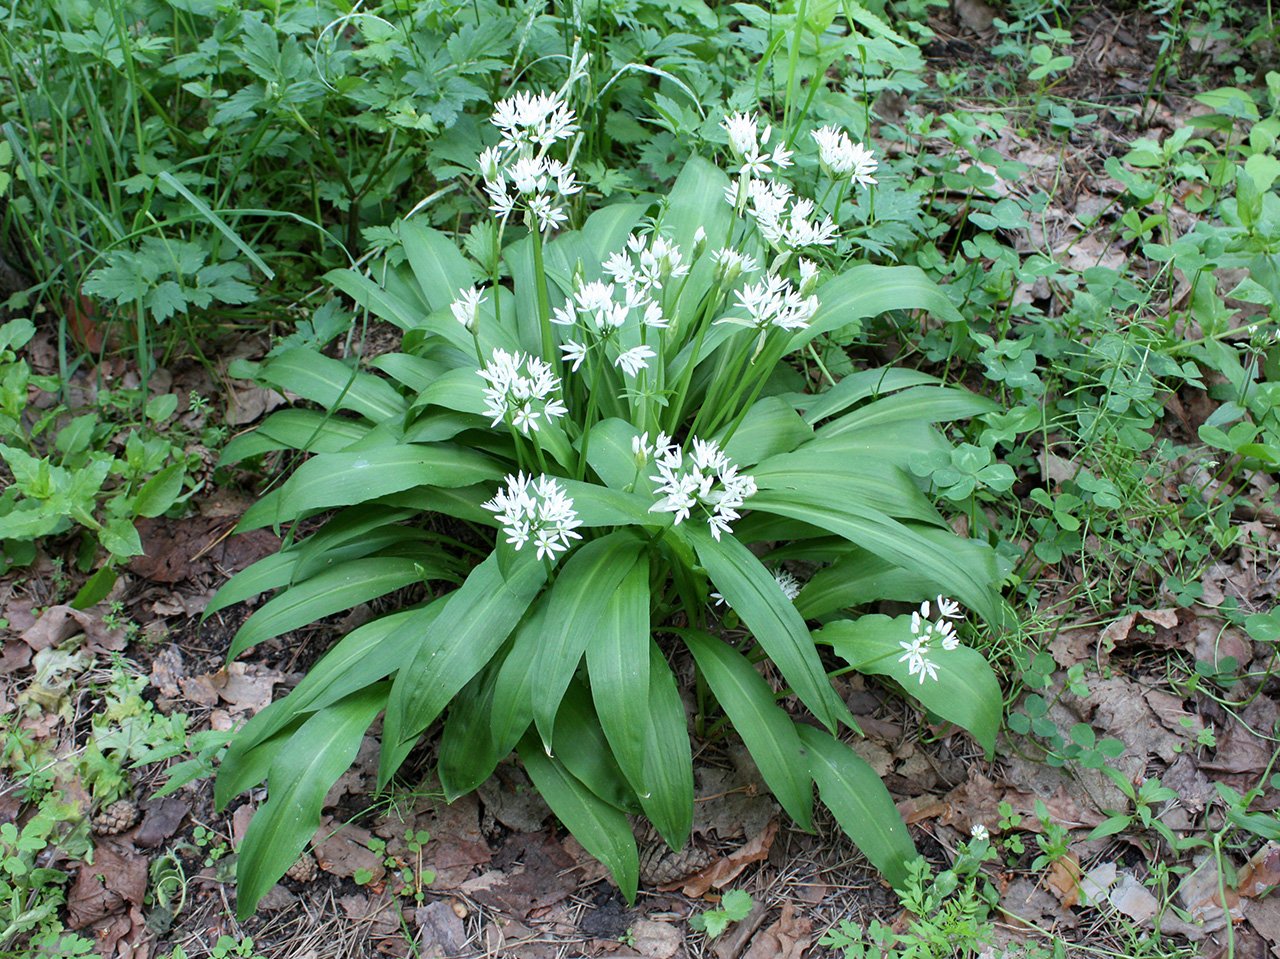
<point x="1063" y="879"/>
<point x="531" y="871"/>
<point x="1133" y="899"/>
<point x="440" y="931"/>
<point x="244" y="687"/>
<point x="787" y="938"/>
<point x="655" y="940"/>
<point x="1261" y="873"/>
<point x="344" y="851"/>
<point x="116" y="878"/>
<point x="160" y="820"/>
<point x="59" y="623"/>
<point x="724" y="870"/>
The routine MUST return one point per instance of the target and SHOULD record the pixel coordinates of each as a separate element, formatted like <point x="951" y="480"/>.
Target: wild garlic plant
<point x="589" y="451"/>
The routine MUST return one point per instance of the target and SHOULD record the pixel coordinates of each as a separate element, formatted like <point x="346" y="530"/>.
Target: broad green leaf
<point x="301" y="775"/>
<point x="581" y="746"/>
<point x="667" y="797"/>
<point x="332" y="384"/>
<point x="307" y="430"/>
<point x="354" y="525"/>
<point x="343" y="479"/>
<point x="860" y="803"/>
<point x="270" y="572"/>
<point x="414" y="372"/>
<point x="618" y="664"/>
<point x="332" y="591"/>
<point x="755" y="596"/>
<point x="766" y="729"/>
<point x="160" y="492"/>
<point x="897" y="443"/>
<point x="384" y="303"/>
<point x="245" y="766"/>
<point x="897" y="542"/>
<point x="603" y="830"/>
<point x="364" y="656"/>
<point x="468" y="752"/>
<point x="475" y="622"/>
<point x="599" y="506"/>
<point x="926" y="404"/>
<point x="966" y="691"/>
<point x="770" y="427"/>
<point x="441" y="271"/>
<point x="866" y="290"/>
<point x="855" y="388"/>
<point x="609" y="453"/>
<point x="512" y="709"/>
<point x="869" y="486"/>
<point x="862" y="577"/>
<point x="579" y="599"/>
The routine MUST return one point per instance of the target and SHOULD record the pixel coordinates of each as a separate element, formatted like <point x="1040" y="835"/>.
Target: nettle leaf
<point x="966" y="691"/>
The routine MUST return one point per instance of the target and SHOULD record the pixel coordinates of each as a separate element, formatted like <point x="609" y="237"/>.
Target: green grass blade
<point x="205" y="211"/>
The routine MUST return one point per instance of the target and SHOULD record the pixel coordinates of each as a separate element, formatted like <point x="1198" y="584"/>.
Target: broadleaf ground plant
<point x="592" y="443"/>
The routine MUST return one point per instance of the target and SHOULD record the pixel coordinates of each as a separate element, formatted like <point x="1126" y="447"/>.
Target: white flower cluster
<point x="467" y="307"/>
<point x="785" y="220"/>
<point x="704" y="477"/>
<point x="536" y="509"/>
<point x="924" y="632"/>
<point x="521" y="388"/>
<point x="749" y="146"/>
<point x="600" y="308"/>
<point x="518" y="174"/>
<point x="774" y="302"/>
<point x="840" y="156"/>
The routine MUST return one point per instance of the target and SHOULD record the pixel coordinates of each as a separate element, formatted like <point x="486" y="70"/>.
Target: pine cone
<point x="304" y="870"/>
<point x="116" y="818"/>
<point x="659" y="866"/>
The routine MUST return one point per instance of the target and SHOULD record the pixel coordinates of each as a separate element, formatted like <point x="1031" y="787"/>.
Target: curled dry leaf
<point x="787" y="938"/>
<point x="724" y="870"/>
<point x="1261" y="874"/>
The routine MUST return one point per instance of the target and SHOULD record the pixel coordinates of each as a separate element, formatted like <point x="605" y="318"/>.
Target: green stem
<point x="544" y="301"/>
